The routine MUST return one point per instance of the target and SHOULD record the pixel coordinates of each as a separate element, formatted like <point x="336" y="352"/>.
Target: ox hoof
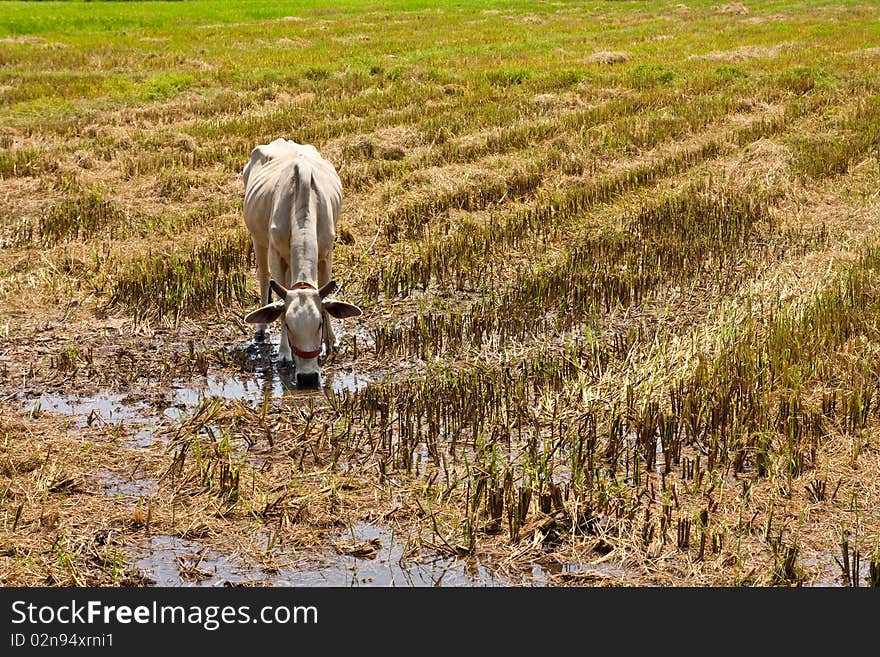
<point x="260" y="336"/>
<point x="309" y="380"/>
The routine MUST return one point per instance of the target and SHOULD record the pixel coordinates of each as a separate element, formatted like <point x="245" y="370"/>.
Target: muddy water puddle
<point x="366" y="555"/>
<point x="104" y="407"/>
<point x="143" y="418"/>
<point x="826" y="571"/>
<point x="126" y="486"/>
<point x="370" y="555"/>
<point x="263" y="385"/>
<point x="171" y="561"/>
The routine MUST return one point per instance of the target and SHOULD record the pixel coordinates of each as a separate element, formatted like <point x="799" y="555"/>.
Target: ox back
<point x="292" y="201"/>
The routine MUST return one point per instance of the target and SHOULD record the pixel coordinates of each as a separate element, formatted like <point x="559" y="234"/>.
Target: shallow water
<point x="103" y="407"/>
<point x="255" y="386"/>
<point x="115" y="484"/>
<point x="262" y="378"/>
<point x="157" y="558"/>
<point x="387" y="567"/>
<point x="829" y="572"/>
<point x="262" y="385"/>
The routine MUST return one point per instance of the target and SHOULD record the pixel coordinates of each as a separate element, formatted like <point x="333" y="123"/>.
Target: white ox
<point x="292" y="197"/>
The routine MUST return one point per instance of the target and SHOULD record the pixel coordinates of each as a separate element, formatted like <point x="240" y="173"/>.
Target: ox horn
<point x="327" y="289"/>
<point x="278" y="288"/>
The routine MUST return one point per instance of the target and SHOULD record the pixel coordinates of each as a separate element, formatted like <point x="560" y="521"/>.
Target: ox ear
<point x="328" y="289"/>
<point x="265" y="315"/>
<point x="340" y="309"/>
<point x="278" y="288"/>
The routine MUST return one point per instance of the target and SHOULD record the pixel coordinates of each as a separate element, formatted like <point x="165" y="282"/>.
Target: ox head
<point x="303" y="310"/>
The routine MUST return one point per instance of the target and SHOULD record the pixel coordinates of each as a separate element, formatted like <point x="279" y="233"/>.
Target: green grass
<point x="167" y="45"/>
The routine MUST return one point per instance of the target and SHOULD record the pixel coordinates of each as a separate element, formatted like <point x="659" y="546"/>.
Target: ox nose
<point x="307" y="380"/>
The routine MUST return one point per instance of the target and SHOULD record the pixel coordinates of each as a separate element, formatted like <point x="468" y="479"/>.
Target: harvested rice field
<point x="619" y="266"/>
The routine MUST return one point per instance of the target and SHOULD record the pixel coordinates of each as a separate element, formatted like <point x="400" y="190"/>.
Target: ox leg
<point x="261" y="255"/>
<point x="325" y="266"/>
<point x="329" y="338"/>
<point x="284" y="354"/>
<point x="278" y="267"/>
